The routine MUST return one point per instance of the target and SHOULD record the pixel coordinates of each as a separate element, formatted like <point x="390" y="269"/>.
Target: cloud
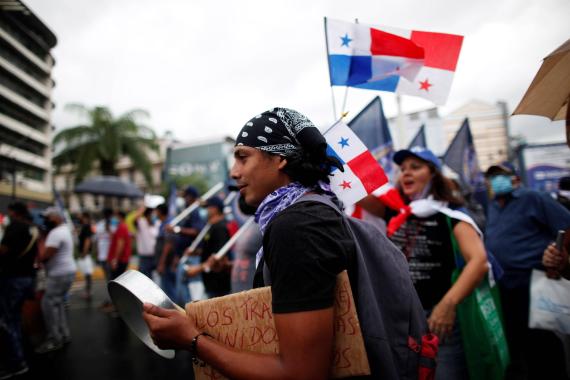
<point x="202" y="68"/>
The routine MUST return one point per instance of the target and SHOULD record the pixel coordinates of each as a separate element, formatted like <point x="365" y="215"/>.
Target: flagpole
<point x="329" y="66"/>
<point x="344" y="101"/>
<point x="400" y="123"/>
<point x="233" y="239"/>
<point x="332" y="126"/>
<point x="346" y="89"/>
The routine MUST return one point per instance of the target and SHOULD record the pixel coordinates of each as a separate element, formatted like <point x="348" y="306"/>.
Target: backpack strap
<point x="313" y="197"/>
<point x="459" y="262"/>
<point x="34" y="234"/>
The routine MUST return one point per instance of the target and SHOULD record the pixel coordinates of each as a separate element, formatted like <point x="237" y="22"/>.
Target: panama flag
<point x="362" y="174"/>
<point x="383" y="58"/>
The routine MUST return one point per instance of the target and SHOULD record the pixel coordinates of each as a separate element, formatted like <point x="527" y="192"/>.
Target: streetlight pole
<point x="13" y="179"/>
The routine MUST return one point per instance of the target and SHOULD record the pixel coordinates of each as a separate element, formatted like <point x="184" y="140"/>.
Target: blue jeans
<point x="168" y="283"/>
<point x="182" y="292"/>
<point x="13" y="292"/>
<point x="146" y="265"/>
<point x="53" y="306"/>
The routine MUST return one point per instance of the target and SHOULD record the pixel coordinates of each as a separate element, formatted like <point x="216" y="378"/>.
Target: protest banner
<point x="245" y="321"/>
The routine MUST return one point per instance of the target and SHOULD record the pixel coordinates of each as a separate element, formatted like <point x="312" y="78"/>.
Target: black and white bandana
<point x="281" y="131"/>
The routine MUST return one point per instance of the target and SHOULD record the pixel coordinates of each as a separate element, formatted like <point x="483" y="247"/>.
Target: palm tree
<point x="103" y="140"/>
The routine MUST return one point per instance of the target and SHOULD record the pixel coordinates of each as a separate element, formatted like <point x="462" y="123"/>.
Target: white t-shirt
<point x="146" y="237"/>
<point x="62" y="262"/>
<point x="103" y="238"/>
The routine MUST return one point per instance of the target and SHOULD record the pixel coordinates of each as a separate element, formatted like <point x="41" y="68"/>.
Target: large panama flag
<point x="382" y="58"/>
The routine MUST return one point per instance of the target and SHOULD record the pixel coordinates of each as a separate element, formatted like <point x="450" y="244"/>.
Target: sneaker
<point x="48" y="346"/>
<point x="8" y="374"/>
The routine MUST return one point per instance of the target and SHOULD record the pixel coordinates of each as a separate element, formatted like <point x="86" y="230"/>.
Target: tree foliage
<point x="103" y="140"/>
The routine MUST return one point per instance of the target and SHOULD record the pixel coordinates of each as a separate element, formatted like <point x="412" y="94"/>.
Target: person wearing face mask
<point x="521" y="224"/>
<point x="426" y="241"/>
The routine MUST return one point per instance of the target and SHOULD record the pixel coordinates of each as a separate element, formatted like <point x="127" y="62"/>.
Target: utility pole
<point x="13" y="179"/>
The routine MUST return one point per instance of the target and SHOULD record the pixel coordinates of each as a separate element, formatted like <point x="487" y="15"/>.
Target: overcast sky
<point x="203" y="68"/>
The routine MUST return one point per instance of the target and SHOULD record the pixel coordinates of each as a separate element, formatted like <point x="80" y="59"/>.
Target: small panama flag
<point x="362" y="174"/>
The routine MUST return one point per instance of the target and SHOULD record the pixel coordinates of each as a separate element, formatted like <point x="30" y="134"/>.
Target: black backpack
<point x="392" y="319"/>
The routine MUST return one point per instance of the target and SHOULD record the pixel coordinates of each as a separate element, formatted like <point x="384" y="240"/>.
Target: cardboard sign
<point x="244" y="321"/>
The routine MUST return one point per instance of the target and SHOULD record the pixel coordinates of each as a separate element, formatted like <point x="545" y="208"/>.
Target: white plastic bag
<point x="197" y="290"/>
<point x="85" y="265"/>
<point x="549" y="303"/>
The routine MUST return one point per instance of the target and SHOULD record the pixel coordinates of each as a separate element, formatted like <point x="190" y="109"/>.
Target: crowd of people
<point x="164" y="252"/>
<point x="298" y="246"/>
<point x="44" y="259"/>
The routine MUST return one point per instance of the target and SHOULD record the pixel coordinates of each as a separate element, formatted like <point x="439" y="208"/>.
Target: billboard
<point x="545" y="164"/>
<point x="211" y="160"/>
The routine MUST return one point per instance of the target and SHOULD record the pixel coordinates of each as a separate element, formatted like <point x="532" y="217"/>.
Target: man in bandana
<point x="280" y="156"/>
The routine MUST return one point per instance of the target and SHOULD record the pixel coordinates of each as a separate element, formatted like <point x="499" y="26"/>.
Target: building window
<point x="33" y="173"/>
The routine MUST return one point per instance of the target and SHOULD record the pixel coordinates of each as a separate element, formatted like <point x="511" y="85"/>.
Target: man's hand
<point x="213" y="263"/>
<point x="553" y="258"/>
<point x="169" y="329"/>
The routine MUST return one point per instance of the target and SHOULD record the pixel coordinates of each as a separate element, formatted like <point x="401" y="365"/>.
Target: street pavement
<point x="102" y="347"/>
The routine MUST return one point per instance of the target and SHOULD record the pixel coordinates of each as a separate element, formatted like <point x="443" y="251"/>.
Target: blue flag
<point x="461" y="157"/>
<point x="371" y="126"/>
<point x="419" y="139"/>
<point x="172" y="209"/>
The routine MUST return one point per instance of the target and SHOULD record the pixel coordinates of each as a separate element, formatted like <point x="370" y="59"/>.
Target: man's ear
<point x="282" y="162"/>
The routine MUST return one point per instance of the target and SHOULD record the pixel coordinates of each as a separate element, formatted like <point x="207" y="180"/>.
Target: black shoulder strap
<point x="312" y="197"/>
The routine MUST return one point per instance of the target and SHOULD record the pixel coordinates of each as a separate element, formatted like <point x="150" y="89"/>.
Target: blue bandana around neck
<point x="278" y="201"/>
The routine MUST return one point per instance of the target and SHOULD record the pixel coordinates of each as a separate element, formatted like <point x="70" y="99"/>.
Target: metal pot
<point x="128" y="292"/>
